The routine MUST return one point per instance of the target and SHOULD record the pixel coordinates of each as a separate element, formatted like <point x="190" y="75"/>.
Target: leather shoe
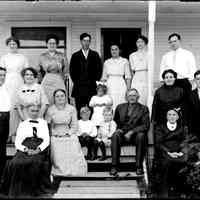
<point x="93" y="157"/>
<point x="139" y="171"/>
<point x="113" y="171"/>
<point x="102" y="158"/>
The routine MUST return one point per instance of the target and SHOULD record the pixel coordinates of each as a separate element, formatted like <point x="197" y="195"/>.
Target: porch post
<point x="151" y="44"/>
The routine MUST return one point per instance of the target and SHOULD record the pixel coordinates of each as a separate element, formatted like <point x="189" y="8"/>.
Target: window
<point x="34" y="37"/>
<point x="32" y="40"/>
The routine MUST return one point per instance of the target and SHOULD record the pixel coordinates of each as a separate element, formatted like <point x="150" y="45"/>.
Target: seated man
<point x="25" y="175"/>
<point x="133" y="123"/>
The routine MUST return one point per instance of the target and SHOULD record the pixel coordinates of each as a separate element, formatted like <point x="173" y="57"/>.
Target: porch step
<point x="125" y="175"/>
<point x="97" y="189"/>
<point x="125" y="150"/>
<point x="127" y="163"/>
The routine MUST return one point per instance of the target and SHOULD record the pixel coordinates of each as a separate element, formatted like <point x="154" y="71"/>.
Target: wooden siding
<point x="81" y="27"/>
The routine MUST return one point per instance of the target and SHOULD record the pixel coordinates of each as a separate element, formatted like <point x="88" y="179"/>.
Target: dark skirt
<point x="26" y="175"/>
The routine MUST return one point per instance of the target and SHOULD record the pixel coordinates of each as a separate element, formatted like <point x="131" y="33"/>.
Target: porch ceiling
<point x="97" y="10"/>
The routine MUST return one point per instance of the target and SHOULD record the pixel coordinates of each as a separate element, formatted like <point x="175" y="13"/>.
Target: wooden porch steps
<point x="98" y="189"/>
<point x="98" y="183"/>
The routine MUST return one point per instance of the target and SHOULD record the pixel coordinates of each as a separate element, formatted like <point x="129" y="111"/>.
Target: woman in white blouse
<point x="30" y="92"/>
<point x="26" y="175"/>
<point x="14" y="62"/>
<point x="117" y="73"/>
<point x="139" y="68"/>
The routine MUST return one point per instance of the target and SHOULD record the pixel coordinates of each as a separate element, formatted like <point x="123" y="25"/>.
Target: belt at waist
<point x="140" y="70"/>
<point x="60" y="136"/>
<point x="57" y="73"/>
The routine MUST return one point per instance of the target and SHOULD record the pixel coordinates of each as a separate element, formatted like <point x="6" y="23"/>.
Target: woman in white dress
<point x="116" y="72"/>
<point x="139" y="68"/>
<point x="66" y="153"/>
<point x="14" y="62"/>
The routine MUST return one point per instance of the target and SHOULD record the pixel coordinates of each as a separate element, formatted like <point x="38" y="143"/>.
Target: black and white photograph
<point x="100" y="99"/>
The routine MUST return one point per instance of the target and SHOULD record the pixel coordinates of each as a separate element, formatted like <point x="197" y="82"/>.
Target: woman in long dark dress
<point x="166" y="97"/>
<point x="26" y="174"/>
<point x="169" y="152"/>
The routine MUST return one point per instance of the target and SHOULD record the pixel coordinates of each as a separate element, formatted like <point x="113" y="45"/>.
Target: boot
<point x="94" y="151"/>
<point x="103" y="150"/>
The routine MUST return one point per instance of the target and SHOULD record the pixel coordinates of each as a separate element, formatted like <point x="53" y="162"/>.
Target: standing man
<point x="132" y="119"/>
<point x="5" y="106"/>
<point x="181" y="61"/>
<point x="85" y="70"/>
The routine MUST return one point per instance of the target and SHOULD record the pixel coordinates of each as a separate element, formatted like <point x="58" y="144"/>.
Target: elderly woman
<point x="139" y="67"/>
<point x="14" y="62"/>
<point x="30" y="92"/>
<point x="169" y="152"/>
<point x="66" y="153"/>
<point x="116" y="72"/>
<point x="24" y="175"/>
<point x="54" y="67"/>
<point x="166" y="97"/>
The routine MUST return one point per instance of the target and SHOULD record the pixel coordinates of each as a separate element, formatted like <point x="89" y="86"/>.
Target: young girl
<point x="87" y="132"/>
<point x="99" y="102"/>
<point x="105" y="132"/>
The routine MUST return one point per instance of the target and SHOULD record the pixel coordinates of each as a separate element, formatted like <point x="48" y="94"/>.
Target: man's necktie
<point x="34" y="132"/>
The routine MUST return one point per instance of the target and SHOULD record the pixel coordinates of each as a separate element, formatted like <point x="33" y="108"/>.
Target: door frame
<point x="109" y="24"/>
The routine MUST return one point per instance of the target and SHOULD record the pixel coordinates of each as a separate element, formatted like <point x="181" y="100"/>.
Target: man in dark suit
<point x="194" y="107"/>
<point x="85" y="70"/>
<point x="133" y="123"/>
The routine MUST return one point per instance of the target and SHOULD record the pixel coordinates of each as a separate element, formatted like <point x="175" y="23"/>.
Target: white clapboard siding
<point x="81" y="27"/>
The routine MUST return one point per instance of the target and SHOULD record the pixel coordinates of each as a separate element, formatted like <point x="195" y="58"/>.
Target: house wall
<point x="188" y="28"/>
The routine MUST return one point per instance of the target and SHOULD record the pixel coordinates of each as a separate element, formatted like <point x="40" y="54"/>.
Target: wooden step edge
<point x="102" y="176"/>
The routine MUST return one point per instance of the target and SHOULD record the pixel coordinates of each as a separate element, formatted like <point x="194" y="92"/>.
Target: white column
<point x="151" y="44"/>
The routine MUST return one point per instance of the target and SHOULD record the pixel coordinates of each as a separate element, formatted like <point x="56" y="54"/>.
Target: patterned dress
<point x="66" y="153"/>
<point x="56" y="69"/>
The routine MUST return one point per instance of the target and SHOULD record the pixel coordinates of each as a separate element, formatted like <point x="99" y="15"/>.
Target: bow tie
<point x="28" y="90"/>
<point x="33" y="121"/>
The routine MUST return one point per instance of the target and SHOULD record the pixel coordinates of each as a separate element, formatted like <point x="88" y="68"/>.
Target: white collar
<point x="85" y="52"/>
<point x="171" y="126"/>
<point x="30" y="86"/>
<point x="177" y="49"/>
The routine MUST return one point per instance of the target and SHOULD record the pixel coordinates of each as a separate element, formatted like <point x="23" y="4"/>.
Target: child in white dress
<point x="87" y="132"/>
<point x="99" y="102"/>
<point x="105" y="132"/>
